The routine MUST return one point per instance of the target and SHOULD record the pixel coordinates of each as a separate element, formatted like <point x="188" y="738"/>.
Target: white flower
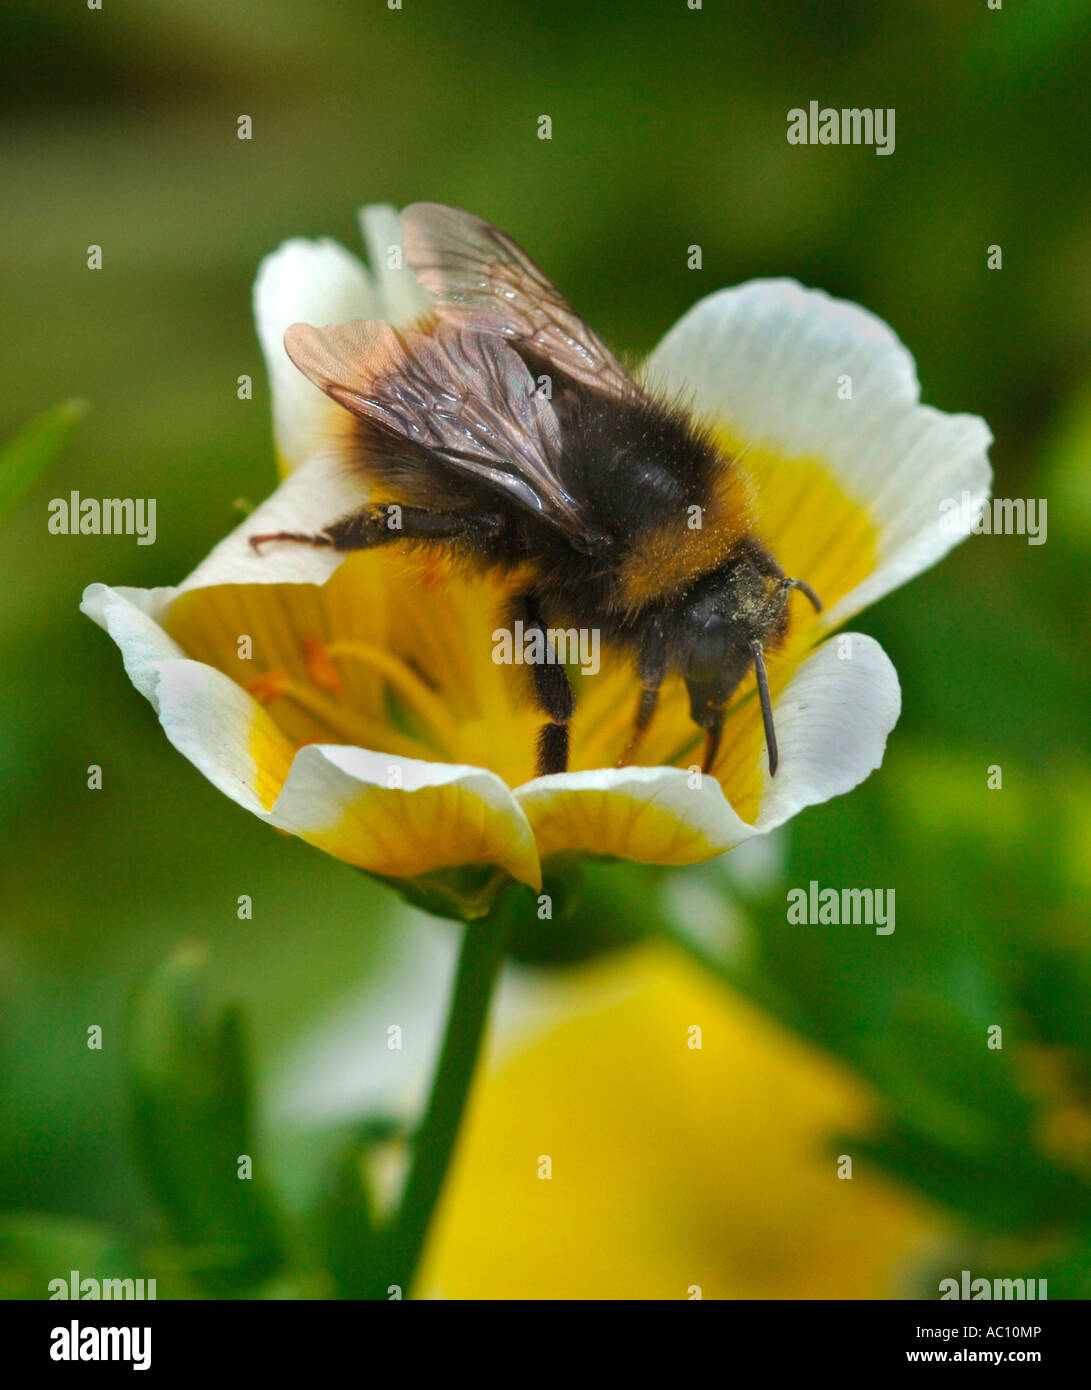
<point x="365" y="713"/>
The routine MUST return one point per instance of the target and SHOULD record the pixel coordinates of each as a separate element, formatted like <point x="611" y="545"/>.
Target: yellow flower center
<point x="395" y="652"/>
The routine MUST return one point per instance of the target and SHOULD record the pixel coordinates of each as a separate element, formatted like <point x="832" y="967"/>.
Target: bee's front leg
<point x="553" y="691"/>
<point x="380" y="523"/>
<point x="299" y="537"/>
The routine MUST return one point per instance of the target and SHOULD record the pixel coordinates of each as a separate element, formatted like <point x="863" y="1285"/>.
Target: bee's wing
<point x="467" y="397"/>
<point x="485" y="281"/>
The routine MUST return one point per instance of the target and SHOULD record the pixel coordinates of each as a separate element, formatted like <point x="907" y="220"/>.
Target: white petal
<point x="131" y="617"/>
<point x="316" y="282"/>
<point x="765" y="360"/>
<point x="401" y="297"/>
<point x="437" y="816"/>
<point x="832" y="722"/>
<point x="318" y="492"/>
<point x="657" y="815"/>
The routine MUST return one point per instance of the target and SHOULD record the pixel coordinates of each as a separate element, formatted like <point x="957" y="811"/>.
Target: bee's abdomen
<point x="673" y="503"/>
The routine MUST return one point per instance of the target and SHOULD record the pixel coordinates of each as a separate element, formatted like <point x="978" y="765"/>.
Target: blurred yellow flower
<point x="673" y="1168"/>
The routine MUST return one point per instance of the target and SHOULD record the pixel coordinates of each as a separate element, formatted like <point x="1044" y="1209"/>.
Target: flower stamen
<point x="279" y="685"/>
<point x="423" y="701"/>
<point x="323" y="673"/>
<point x="272" y="686"/>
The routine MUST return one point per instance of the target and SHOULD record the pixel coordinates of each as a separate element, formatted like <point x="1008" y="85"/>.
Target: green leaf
<point x="191" y="1107"/>
<point x="38" y="1248"/>
<point x="344" y="1221"/>
<point x="33" y="449"/>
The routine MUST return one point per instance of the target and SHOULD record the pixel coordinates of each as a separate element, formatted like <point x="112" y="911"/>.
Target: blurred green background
<point x="668" y="129"/>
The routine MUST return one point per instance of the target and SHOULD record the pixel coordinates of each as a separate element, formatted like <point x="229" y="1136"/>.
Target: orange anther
<point x="269" y="687"/>
<point x="321" y="669"/>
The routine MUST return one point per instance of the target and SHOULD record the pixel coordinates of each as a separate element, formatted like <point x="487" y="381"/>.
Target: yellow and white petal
<point x="398" y="817"/>
<point x="401" y="296"/>
<point x="315" y="282"/>
<point x="403" y="818"/>
<point x="832" y="722"/>
<point x="212" y="721"/>
<point x="224" y="733"/>
<point x="656" y="815"/>
<point x="820" y="402"/>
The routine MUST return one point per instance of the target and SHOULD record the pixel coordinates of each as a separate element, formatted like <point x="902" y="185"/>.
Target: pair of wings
<point x="462" y="390"/>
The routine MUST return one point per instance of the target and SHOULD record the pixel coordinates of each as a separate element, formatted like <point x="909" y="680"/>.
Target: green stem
<point x="402" y="1244"/>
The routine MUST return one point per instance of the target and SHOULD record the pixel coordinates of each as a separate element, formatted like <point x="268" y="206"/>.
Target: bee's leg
<point x="553" y="691"/>
<point x="651" y="668"/>
<point x="713" y="724"/>
<point x="380" y="523"/>
<point x="298" y="536"/>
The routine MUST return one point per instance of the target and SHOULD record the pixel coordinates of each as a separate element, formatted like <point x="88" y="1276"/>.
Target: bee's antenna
<point x="766" y="707"/>
<point x="805" y="588"/>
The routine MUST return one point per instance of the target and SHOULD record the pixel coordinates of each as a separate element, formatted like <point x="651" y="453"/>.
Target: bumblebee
<point x="501" y="428"/>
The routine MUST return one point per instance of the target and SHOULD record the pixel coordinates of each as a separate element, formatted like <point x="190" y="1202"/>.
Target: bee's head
<point x="725" y="623"/>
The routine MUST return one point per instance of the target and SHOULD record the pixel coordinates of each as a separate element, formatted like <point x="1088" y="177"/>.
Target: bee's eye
<point x="708" y="651"/>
